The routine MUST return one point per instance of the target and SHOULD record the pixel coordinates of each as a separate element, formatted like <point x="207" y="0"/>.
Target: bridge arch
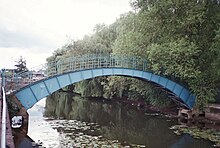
<point x="31" y="94"/>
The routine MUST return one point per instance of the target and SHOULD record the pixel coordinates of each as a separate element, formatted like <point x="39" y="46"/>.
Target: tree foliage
<point x="181" y="40"/>
<point x="21" y="65"/>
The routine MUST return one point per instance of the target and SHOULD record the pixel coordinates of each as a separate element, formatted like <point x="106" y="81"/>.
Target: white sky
<point x="33" y="29"/>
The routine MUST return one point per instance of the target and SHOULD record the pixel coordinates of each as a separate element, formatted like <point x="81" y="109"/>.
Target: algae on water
<point x="207" y="134"/>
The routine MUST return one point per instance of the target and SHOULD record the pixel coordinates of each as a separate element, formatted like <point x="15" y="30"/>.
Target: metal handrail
<point x="3" y="134"/>
<point x="78" y="63"/>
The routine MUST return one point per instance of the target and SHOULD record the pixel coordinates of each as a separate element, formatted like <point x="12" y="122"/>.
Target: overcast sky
<point x="33" y="29"/>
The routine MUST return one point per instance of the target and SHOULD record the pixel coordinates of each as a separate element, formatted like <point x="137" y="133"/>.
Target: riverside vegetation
<point x="179" y="39"/>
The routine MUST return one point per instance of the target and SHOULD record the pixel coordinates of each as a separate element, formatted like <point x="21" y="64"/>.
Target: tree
<point x="183" y="42"/>
<point x="21" y="65"/>
<point x="180" y="39"/>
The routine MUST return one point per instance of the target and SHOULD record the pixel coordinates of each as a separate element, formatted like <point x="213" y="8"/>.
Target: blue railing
<point x="75" y="64"/>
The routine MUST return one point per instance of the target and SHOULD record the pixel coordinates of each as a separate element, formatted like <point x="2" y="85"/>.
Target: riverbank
<point x="204" y="126"/>
<point x="209" y="116"/>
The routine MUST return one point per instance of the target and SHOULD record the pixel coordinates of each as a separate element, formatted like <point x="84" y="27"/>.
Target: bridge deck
<point x="9" y="137"/>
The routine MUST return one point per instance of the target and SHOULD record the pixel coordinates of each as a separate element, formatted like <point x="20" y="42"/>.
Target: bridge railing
<point x="95" y="61"/>
<point x="77" y="63"/>
<point x="21" y="79"/>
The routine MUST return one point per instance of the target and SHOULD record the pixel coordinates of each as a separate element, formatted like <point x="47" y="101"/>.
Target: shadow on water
<point x="118" y="122"/>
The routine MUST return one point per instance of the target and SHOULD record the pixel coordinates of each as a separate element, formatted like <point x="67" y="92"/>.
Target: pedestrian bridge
<point x="29" y="88"/>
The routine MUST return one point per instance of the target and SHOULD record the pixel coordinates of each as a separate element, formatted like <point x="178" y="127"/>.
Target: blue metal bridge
<point x="29" y="89"/>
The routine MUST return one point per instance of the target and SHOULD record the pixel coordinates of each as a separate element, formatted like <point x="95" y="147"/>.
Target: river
<point x="82" y="122"/>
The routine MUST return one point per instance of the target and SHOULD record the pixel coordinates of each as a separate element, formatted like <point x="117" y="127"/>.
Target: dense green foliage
<point x="181" y="40"/>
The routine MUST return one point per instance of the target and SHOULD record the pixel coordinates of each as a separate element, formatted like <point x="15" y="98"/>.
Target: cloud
<point x="9" y="56"/>
<point x="52" y="20"/>
<point x="22" y="39"/>
<point x="34" y="28"/>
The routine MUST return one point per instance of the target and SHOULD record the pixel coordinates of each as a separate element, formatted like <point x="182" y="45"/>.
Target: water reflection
<point x="115" y="121"/>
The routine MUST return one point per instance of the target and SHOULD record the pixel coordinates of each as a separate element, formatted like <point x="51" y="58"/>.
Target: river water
<point x="82" y="122"/>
